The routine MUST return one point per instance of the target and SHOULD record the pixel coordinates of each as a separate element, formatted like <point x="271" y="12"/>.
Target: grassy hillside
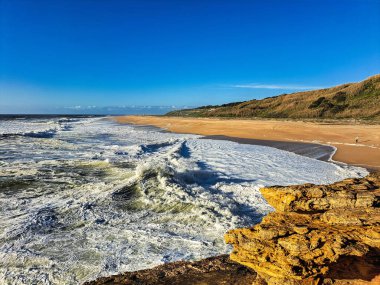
<point x="348" y="101"/>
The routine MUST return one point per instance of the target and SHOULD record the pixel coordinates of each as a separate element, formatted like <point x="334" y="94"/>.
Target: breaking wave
<point x="97" y="198"/>
<point x="36" y="128"/>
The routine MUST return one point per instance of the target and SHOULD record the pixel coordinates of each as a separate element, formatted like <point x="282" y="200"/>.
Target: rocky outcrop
<point x="210" y="271"/>
<point x="319" y="234"/>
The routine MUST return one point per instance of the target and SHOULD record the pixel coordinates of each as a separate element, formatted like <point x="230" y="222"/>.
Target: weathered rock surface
<point x="318" y="235"/>
<point x="210" y="271"/>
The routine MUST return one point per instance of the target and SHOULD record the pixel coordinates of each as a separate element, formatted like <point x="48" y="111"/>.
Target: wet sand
<point x="365" y="153"/>
<point x="312" y="150"/>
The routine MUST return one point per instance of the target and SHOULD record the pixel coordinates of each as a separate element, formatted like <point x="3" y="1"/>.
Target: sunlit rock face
<point x="327" y="234"/>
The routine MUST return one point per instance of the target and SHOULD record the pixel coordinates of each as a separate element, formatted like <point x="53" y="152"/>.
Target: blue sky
<point x="62" y="54"/>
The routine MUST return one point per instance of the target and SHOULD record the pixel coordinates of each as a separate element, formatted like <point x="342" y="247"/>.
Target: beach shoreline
<point x="311" y="150"/>
<point x="275" y="133"/>
<point x="218" y="269"/>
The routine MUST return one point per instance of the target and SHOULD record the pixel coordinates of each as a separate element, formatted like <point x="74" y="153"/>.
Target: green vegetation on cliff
<point x="348" y="101"/>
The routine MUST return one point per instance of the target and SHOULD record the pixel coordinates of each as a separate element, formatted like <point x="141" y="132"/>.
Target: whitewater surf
<point x="83" y="197"/>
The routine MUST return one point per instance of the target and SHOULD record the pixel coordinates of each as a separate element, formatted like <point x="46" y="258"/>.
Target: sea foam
<point x="99" y="198"/>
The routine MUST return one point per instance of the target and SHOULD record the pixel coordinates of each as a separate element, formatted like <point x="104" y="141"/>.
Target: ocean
<point x="83" y="197"/>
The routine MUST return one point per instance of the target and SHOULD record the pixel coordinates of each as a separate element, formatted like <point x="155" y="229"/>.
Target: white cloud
<point x="74" y="107"/>
<point x="276" y="86"/>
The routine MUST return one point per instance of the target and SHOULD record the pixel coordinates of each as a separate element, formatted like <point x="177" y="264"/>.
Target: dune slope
<point x="348" y="101"/>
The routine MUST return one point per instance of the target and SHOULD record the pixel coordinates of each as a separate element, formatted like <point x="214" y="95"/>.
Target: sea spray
<point x="96" y="198"/>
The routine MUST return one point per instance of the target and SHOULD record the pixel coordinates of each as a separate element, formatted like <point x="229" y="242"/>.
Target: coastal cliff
<point x="317" y="235"/>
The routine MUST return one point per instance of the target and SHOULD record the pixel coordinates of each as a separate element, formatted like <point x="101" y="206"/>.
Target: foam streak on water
<point x="83" y="198"/>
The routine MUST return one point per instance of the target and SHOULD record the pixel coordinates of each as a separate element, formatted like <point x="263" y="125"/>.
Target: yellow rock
<point x="319" y="234"/>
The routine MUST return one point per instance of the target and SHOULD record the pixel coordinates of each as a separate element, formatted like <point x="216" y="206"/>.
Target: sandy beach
<point x="365" y="152"/>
